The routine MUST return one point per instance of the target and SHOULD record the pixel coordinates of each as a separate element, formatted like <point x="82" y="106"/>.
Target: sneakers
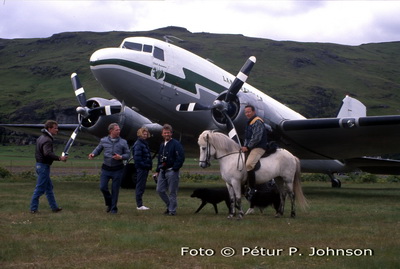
<point x="55" y="210"/>
<point x="142" y="208"/>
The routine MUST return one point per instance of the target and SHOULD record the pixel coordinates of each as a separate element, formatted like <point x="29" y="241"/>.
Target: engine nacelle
<point x="129" y="120"/>
<point x="235" y="110"/>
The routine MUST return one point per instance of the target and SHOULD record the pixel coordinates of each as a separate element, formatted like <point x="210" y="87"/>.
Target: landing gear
<point x="336" y="183"/>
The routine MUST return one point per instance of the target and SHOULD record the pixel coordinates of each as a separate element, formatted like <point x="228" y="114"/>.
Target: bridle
<point x="208" y="153"/>
<point x="207" y="161"/>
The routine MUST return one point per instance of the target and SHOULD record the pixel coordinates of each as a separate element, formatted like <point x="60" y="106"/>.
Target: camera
<point x="163" y="165"/>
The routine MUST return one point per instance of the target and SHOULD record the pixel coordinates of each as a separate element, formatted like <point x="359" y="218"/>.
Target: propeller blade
<point x="79" y="91"/>
<point x="240" y="79"/>
<point x="71" y="141"/>
<point x="191" y="107"/>
<point x="231" y="129"/>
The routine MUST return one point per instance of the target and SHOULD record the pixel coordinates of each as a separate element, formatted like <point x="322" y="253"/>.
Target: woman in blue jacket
<point x="143" y="163"/>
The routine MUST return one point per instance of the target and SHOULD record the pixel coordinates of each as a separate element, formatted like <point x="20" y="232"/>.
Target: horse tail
<point x="300" y="198"/>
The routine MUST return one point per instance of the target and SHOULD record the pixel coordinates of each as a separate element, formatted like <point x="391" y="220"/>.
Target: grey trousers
<point x="167" y="188"/>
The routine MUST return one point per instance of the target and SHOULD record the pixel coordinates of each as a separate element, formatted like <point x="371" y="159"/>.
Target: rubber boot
<point x="251" y="179"/>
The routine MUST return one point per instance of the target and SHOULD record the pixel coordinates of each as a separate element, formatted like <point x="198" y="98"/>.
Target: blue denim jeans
<point x="43" y="185"/>
<point x="111" y="199"/>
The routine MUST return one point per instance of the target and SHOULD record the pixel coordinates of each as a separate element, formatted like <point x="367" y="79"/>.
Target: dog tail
<point x="298" y="191"/>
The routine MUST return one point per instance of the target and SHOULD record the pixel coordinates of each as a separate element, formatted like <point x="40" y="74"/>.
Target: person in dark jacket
<point x="115" y="151"/>
<point x="255" y="144"/>
<point x="44" y="155"/>
<point x="143" y="164"/>
<point x="170" y="160"/>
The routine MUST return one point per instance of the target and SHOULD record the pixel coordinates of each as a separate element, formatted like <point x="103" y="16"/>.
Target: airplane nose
<point x="103" y="54"/>
<point x="96" y="56"/>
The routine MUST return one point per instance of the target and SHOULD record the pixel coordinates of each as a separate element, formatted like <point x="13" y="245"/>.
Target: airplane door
<point x="163" y="60"/>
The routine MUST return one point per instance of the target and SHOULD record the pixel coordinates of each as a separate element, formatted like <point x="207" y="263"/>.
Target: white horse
<point x="281" y="166"/>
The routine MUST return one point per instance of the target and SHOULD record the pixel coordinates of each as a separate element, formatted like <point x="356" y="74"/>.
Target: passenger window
<point x="132" y="46"/>
<point x="147" y="48"/>
<point x="158" y="53"/>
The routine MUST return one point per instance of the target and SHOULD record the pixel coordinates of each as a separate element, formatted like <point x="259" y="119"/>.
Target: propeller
<point x="240" y="79"/>
<point x="84" y="112"/>
<point x="223" y="106"/>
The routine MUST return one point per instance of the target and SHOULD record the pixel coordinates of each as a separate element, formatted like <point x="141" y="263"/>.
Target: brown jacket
<point x="44" y="149"/>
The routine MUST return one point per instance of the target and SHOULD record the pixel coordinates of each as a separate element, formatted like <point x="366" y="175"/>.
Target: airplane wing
<point x="63" y="133"/>
<point x="341" y="138"/>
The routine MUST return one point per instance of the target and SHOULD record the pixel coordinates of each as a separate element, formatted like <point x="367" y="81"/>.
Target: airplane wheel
<point x="336" y="183"/>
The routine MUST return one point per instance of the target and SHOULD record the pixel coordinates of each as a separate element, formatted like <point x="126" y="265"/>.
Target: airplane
<point x="156" y="82"/>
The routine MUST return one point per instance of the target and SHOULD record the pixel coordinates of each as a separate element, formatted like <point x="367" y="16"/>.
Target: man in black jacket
<point x="45" y="156"/>
<point x="170" y="159"/>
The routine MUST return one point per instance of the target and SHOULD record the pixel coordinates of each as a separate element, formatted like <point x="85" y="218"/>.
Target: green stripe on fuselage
<point x="188" y="83"/>
<point x="131" y="65"/>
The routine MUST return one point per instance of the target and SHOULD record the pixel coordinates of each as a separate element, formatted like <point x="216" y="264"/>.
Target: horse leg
<point x="282" y="194"/>
<point x="281" y="209"/>
<point x="237" y="188"/>
<point x="232" y="201"/>
<point x="289" y="188"/>
<point x="292" y="201"/>
<point x="232" y="208"/>
<point x="239" y="207"/>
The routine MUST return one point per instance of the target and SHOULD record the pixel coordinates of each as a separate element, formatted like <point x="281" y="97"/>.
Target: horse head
<point x="206" y="149"/>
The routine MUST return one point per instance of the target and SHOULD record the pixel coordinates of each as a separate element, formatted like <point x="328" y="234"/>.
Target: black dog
<point x="266" y="194"/>
<point x="212" y="196"/>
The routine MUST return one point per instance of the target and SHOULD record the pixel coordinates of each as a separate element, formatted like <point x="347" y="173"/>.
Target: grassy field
<point x="356" y="226"/>
<point x="362" y="219"/>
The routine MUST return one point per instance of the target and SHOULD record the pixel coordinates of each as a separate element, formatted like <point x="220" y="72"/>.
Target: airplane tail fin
<point x="351" y="107"/>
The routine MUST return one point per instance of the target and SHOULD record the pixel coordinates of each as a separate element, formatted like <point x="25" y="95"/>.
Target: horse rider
<point x="255" y="144"/>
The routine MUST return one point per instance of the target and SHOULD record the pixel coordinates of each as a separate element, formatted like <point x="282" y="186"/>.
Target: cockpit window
<point x="132" y="46"/>
<point x="158" y="53"/>
<point x="147" y="48"/>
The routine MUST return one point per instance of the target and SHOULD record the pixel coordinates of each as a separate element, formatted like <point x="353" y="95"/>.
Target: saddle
<point x="271" y="149"/>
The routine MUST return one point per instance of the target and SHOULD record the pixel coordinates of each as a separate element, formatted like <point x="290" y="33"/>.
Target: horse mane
<point x="223" y="142"/>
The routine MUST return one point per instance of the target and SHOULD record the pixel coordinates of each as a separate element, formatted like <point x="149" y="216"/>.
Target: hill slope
<point x="311" y="78"/>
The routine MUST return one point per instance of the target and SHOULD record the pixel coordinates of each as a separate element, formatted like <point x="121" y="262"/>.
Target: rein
<point x="208" y="155"/>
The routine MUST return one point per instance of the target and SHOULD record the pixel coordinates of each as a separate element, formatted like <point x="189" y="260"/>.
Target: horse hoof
<point x="230" y="217"/>
<point x="293" y="215"/>
<point x="278" y="215"/>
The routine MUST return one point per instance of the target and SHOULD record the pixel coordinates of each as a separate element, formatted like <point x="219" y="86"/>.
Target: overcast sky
<point x="343" y="22"/>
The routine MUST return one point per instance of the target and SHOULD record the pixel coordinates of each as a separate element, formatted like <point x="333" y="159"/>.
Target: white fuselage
<point x="155" y="85"/>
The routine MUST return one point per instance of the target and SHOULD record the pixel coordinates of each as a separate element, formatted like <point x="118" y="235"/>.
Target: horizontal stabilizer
<point x="376" y="165"/>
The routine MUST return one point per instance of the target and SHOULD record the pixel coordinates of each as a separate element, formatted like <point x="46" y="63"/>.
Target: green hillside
<point x="311" y="78"/>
